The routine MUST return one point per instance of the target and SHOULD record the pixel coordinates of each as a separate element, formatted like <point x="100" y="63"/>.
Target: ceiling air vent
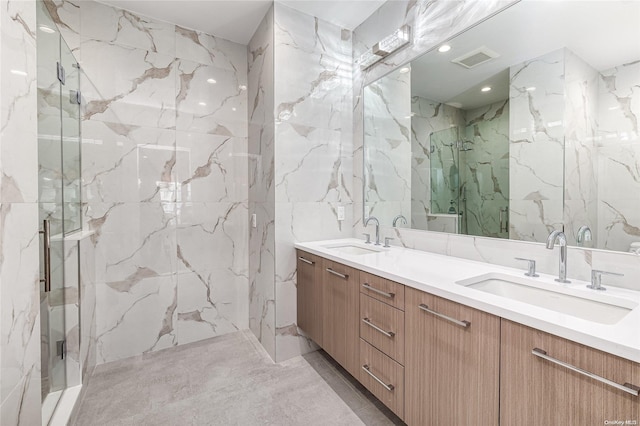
<point x="475" y="57"/>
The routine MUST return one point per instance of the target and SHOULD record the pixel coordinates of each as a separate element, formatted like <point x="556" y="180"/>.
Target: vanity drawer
<point x="382" y="289"/>
<point x="383" y="377"/>
<point x="382" y="326"/>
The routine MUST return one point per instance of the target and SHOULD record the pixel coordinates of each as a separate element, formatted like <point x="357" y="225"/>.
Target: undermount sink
<point x="597" y="307"/>
<point x="354" y="249"/>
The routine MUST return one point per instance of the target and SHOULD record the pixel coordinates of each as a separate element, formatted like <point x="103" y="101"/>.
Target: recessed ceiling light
<point x="202" y="103"/>
<point x="46" y="29"/>
<point x="530" y="89"/>
<point x="485" y="89"/>
<point x="404" y="70"/>
<point x="233" y="109"/>
<point x="444" y="48"/>
<point x="211" y="81"/>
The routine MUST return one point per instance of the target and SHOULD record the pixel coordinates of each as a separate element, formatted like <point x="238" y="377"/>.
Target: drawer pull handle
<point x="425" y="308"/>
<point x="626" y="387"/>
<point x="389" y="387"/>
<point x="306" y="260"/>
<point x="331" y="271"/>
<point x="375" y="327"/>
<point x="375" y="290"/>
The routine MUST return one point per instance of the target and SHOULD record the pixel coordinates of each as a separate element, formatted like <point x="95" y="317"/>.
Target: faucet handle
<point x="596" y="279"/>
<point x="368" y="240"/>
<point x="532" y="267"/>
<point x="386" y="241"/>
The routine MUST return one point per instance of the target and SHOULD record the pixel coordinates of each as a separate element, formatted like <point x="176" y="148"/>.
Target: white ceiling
<point x="605" y="34"/>
<point x="237" y="20"/>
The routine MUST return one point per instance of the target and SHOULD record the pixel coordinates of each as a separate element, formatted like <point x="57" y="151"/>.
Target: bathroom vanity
<point x="436" y="350"/>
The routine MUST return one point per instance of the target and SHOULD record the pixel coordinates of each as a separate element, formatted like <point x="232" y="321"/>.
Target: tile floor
<point x="228" y="380"/>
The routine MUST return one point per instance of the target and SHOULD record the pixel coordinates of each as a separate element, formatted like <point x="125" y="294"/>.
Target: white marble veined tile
<point x="67" y="17"/>
<point x="212" y="236"/>
<point x="19" y="286"/>
<point x="211" y="304"/>
<point x="210" y="50"/>
<point x="211" y="168"/>
<point x="18" y="103"/>
<point x="101" y="22"/>
<point x="135" y="87"/>
<point x="210" y="99"/>
<point x="137" y="240"/>
<point x="309" y="164"/>
<point x="127" y="163"/>
<point x="136" y="318"/>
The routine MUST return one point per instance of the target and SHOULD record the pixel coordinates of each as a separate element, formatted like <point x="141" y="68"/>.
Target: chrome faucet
<point x="584" y="234"/>
<point x="562" y="241"/>
<point x="399" y="217"/>
<point x="377" y="223"/>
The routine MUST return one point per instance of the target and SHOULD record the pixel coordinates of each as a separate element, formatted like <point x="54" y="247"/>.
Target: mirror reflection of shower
<point x="469" y="174"/>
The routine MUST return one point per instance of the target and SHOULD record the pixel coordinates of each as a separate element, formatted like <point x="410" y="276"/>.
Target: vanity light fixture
<point x="444" y="48"/>
<point x="485" y="89"/>
<point x="211" y="81"/>
<point x="385" y="47"/>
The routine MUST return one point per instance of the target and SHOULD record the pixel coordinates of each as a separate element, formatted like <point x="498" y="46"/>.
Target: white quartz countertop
<point x="437" y="274"/>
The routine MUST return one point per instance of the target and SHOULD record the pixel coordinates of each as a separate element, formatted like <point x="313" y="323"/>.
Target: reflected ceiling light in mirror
<point x="211" y="81"/>
<point x="485" y="89"/>
<point x="202" y="103"/>
<point x="444" y="48"/>
<point x="19" y="72"/>
<point x="46" y="29"/>
<point x="388" y="45"/>
<point x="404" y="70"/>
<point x="242" y="87"/>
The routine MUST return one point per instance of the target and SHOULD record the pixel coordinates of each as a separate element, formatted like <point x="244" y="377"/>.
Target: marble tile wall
<point x="165" y="177"/>
<point x="536" y="152"/>
<point x="580" y="154"/>
<point x="618" y="152"/>
<point x="484" y="170"/>
<point x="261" y="163"/>
<point x="387" y="147"/>
<point x="458" y="16"/>
<point x="313" y="146"/>
<point x="19" y="240"/>
<point x="427" y="118"/>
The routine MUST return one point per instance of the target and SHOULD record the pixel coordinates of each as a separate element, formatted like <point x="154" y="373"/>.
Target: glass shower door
<point x="445" y="174"/>
<point x="58" y="196"/>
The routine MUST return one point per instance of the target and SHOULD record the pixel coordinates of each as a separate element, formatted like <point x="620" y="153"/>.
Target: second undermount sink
<point x="597" y="307"/>
<point x="352" y="248"/>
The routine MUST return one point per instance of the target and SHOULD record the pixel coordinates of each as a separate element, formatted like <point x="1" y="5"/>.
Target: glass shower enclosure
<point x="59" y="197"/>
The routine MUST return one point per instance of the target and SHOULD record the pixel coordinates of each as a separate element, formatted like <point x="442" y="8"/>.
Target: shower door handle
<point x="504" y="220"/>
<point x="46" y="232"/>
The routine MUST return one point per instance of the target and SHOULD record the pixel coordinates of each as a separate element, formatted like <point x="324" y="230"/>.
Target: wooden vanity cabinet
<point x="309" y="295"/>
<point x="537" y="391"/>
<point x="340" y="328"/>
<point x="452" y="361"/>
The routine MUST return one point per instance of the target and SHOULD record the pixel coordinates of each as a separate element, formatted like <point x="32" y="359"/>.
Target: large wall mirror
<point x="526" y="123"/>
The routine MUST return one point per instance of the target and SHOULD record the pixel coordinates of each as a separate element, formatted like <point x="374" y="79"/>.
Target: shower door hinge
<point x="61" y="348"/>
<point x="60" y="71"/>
<point x="75" y="97"/>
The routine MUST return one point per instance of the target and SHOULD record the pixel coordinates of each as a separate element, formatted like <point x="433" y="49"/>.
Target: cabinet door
<point x="309" y="295"/>
<point x="340" y="331"/>
<point x="452" y="361"/>
<point x="536" y="390"/>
